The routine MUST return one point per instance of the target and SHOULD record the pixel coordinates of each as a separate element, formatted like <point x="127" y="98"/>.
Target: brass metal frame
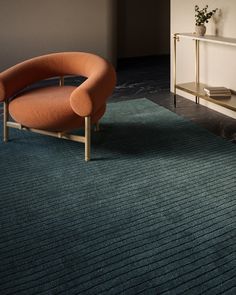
<point x="97" y="127"/>
<point x="86" y="139"/>
<point x="61" y="81"/>
<point x="197" y="65"/>
<point x="5" y="120"/>
<point x="176" y="38"/>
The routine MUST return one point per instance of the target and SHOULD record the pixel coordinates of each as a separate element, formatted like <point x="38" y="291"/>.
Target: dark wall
<point x="143" y="28"/>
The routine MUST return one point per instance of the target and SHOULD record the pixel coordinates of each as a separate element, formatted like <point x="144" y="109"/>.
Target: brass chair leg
<point x="96" y="127"/>
<point x="5" y="119"/>
<point x="87" y="138"/>
<point x="61" y="81"/>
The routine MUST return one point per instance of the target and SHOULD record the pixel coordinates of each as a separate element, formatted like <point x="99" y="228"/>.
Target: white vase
<point x="200" y="30"/>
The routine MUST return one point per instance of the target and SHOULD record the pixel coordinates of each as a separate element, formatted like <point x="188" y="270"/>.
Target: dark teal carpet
<point x="153" y="213"/>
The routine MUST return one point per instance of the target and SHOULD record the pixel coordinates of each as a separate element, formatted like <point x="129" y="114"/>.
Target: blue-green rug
<point x="153" y="213"/>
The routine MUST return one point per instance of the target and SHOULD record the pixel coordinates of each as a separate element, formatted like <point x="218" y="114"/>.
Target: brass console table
<point x="196" y="88"/>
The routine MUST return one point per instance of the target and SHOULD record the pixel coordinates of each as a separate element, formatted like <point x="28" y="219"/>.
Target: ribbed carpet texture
<point x="152" y="213"/>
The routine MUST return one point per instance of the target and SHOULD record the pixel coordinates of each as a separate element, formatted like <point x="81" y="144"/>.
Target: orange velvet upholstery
<point x="58" y="108"/>
<point x="49" y="108"/>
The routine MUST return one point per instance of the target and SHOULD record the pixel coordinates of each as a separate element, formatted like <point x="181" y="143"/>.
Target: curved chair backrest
<point x="28" y="72"/>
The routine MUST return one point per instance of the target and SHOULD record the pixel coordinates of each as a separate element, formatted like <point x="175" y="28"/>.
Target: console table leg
<point x="174" y="67"/>
<point x="197" y="66"/>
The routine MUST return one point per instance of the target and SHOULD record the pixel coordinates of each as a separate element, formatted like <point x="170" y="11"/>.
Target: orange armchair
<point x="57" y="110"/>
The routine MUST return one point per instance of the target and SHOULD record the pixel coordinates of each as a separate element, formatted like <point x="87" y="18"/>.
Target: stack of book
<point x="217" y="92"/>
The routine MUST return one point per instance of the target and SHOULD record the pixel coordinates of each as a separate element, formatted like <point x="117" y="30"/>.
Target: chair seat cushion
<point x="48" y="108"/>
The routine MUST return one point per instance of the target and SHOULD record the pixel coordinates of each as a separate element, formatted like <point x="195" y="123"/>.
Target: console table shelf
<point x="196" y="88"/>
